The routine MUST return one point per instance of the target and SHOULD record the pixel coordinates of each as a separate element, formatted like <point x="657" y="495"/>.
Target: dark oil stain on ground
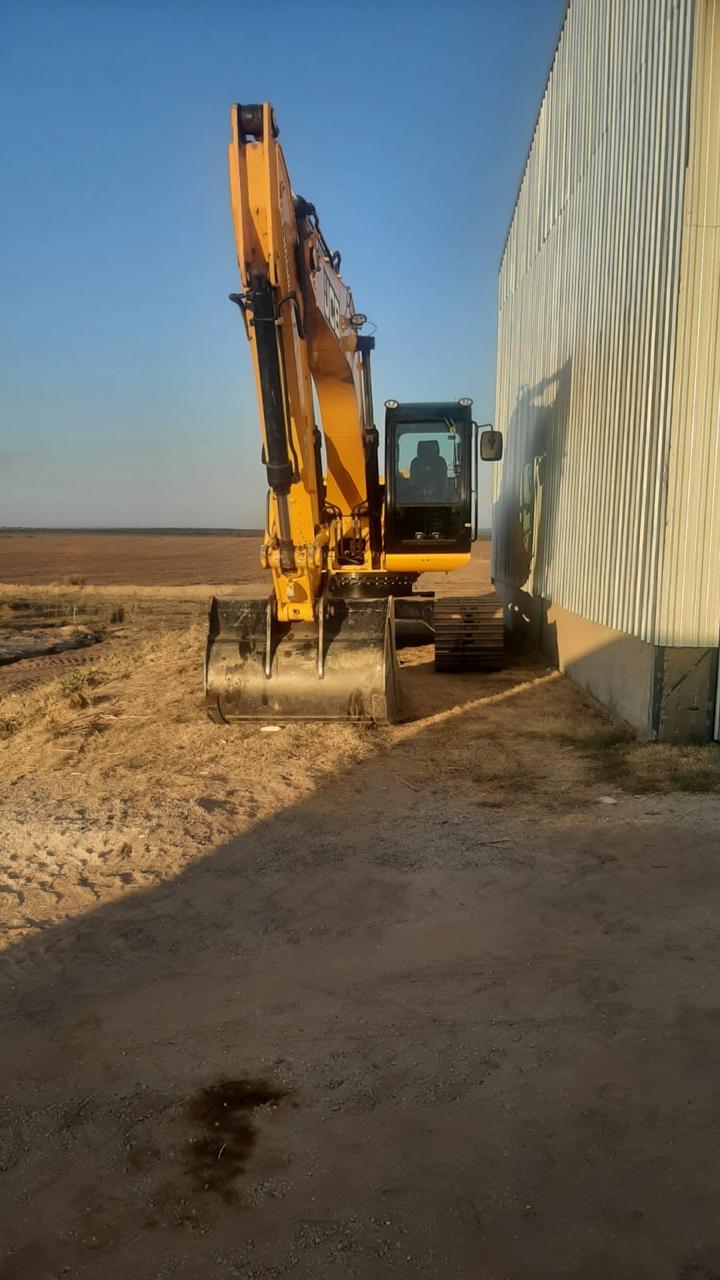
<point x="211" y="803"/>
<point x="224" y="1113"/>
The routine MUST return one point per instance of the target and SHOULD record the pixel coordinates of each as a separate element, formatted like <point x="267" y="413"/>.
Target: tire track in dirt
<point x="155" y="617"/>
<point x="28" y="673"/>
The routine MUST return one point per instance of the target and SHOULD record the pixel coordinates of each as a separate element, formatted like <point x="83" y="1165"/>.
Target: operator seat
<point x="428" y="472"/>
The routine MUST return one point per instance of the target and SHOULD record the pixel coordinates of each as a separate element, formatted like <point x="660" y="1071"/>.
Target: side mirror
<point x="491" y="446"/>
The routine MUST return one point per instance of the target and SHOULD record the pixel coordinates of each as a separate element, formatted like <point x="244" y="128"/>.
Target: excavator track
<point x="469" y="633"/>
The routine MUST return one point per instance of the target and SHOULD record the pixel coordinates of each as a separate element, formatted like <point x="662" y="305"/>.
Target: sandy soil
<point x="336" y="1001"/>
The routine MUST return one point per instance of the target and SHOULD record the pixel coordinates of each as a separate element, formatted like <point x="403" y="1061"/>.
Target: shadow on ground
<point x="475" y="1044"/>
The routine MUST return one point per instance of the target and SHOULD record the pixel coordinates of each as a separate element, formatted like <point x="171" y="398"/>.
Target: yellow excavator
<point x="343" y="545"/>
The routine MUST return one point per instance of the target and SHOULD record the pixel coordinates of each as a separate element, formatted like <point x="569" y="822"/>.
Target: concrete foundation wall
<point x="664" y="693"/>
<point x="685" y="690"/>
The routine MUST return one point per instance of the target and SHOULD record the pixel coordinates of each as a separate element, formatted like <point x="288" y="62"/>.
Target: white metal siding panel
<point x="587" y="316"/>
<point x="690" y="600"/>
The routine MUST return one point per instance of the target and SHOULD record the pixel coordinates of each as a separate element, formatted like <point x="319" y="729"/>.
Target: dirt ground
<point x="432" y="1000"/>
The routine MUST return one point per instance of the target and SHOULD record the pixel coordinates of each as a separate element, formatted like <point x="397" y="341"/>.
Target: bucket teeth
<point x="259" y="669"/>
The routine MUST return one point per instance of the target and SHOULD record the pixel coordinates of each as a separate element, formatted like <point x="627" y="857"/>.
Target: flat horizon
<point x="174" y="530"/>
<point x="141" y="529"/>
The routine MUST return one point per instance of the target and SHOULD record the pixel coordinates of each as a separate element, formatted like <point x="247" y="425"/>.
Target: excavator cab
<point x="431" y="467"/>
<point x="428" y="477"/>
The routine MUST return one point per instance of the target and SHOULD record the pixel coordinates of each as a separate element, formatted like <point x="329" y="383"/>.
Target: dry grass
<point x="142" y="740"/>
<point x="526" y="736"/>
<point x="85" y="678"/>
<point x="51" y="710"/>
<point x="656" y="767"/>
<point x="663" y="767"/>
<point x="101" y="612"/>
<point x="619" y="760"/>
<point x="78" y="591"/>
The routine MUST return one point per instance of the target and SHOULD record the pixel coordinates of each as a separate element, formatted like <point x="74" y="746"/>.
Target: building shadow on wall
<point x="527" y="510"/>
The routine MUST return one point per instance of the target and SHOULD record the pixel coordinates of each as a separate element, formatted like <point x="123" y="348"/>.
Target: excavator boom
<point x="302" y="652"/>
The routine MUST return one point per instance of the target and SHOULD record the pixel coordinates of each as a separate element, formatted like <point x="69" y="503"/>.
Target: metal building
<point x="606" y="516"/>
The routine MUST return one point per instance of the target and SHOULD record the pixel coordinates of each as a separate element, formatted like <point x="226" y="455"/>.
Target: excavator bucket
<point x="341" y="668"/>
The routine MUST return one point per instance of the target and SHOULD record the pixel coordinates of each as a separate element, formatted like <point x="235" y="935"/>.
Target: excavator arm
<point x="273" y="309"/>
<point x="267" y="657"/>
<point x="302" y="328"/>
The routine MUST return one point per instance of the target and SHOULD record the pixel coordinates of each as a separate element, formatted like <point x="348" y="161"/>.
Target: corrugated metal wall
<point x="691" y="578"/>
<point x="588" y="322"/>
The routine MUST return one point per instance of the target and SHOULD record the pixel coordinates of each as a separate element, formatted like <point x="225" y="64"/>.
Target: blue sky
<point x="127" y="396"/>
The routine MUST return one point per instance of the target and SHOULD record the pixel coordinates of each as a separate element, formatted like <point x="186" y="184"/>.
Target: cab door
<point x="428" y="478"/>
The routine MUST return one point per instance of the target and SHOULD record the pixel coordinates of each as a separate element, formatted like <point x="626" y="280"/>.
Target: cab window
<point x="428" y="459"/>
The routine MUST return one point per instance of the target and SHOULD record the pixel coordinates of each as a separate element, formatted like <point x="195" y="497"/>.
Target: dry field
<point x="433" y="1000"/>
<point x="116" y="559"/>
